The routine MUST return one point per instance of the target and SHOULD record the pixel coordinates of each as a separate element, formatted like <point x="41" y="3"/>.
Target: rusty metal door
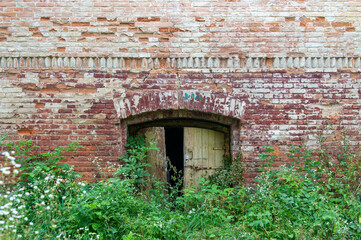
<point x="157" y="159"/>
<point x="203" y="153"/>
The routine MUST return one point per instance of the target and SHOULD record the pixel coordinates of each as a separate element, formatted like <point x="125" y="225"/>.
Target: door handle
<point x="189" y="155"/>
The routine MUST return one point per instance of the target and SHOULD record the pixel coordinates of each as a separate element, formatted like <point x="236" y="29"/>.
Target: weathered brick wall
<point x="56" y="107"/>
<point x="240" y="27"/>
<point x="74" y="70"/>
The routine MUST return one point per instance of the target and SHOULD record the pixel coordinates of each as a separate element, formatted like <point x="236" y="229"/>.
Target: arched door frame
<point x="183" y="118"/>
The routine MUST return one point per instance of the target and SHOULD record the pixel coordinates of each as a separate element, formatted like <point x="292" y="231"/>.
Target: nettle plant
<point x="307" y="198"/>
<point x="231" y="174"/>
<point x="135" y="161"/>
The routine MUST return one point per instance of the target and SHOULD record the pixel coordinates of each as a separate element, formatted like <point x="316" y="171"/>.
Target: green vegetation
<point x="313" y="197"/>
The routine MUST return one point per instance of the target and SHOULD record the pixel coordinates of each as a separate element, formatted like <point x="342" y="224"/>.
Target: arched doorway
<point x="188" y="148"/>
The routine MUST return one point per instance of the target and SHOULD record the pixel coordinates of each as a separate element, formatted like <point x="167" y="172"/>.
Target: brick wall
<point x="56" y="107"/>
<point x="239" y="27"/>
<point x="74" y="70"/>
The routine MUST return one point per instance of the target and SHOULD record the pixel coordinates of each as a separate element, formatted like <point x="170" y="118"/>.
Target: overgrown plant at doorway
<point x="231" y="174"/>
<point x="135" y="161"/>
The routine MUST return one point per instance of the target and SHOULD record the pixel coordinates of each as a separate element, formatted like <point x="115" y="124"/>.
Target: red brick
<point x="90" y="34"/>
<point x="40" y="105"/>
<point x="148" y="19"/>
<point x="341" y="24"/>
<point x="80" y="24"/>
<point x="88" y="90"/>
<point x="38" y="34"/>
<point x="26" y="132"/>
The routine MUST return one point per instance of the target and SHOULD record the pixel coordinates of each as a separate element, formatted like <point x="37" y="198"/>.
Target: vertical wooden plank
<point x="156" y="158"/>
<point x="188" y="156"/>
<point x="204" y="150"/>
<point x="201" y="144"/>
<point x="211" y="141"/>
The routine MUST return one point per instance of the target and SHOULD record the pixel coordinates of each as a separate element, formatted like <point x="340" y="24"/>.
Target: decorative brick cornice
<point x="312" y="64"/>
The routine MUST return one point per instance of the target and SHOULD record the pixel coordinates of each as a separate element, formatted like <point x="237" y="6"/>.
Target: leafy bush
<point x="306" y="199"/>
<point x="135" y="161"/>
<point x="305" y="202"/>
<point x="232" y="173"/>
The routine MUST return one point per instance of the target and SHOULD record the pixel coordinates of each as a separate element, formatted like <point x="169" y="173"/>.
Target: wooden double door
<point x="198" y="152"/>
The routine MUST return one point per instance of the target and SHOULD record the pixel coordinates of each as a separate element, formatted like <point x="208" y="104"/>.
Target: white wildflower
<point x="5" y="170"/>
<point x="4" y="212"/>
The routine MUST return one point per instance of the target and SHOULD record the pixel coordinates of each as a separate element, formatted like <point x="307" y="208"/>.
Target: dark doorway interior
<point x="174" y="148"/>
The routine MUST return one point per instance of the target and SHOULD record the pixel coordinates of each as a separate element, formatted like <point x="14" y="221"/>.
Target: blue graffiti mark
<point x="192" y="96"/>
